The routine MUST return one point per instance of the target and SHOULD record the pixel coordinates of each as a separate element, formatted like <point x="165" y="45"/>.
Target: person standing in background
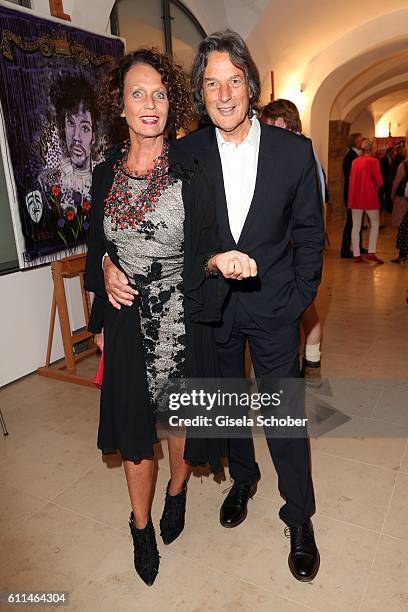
<point x="400" y="203"/>
<point x="365" y="182"/>
<point x="355" y="142"/>
<point x="284" y="114"/>
<point x="385" y="191"/>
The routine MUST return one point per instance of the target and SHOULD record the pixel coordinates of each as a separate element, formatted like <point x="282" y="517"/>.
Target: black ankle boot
<point x="146" y="555"/>
<point x="172" y="520"/>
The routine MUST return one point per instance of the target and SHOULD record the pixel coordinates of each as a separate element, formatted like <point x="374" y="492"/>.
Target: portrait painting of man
<point x="53" y="133"/>
<point x="70" y="158"/>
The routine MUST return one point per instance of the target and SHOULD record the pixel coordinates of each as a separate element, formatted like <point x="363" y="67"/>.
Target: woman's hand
<point x="117" y="285"/>
<point x="233" y="264"/>
<point x="98" y="339"/>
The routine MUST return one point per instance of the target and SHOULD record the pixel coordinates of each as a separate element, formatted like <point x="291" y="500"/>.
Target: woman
<point x="399" y="198"/>
<point x="399" y="193"/>
<point x="402" y="239"/>
<point x="142" y="199"/>
<point x="365" y="181"/>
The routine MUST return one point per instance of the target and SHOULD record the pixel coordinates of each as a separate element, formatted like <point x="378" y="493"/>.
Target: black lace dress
<point x="152" y="257"/>
<point x="168" y="331"/>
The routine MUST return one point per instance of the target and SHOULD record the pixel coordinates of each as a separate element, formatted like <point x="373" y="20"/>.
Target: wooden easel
<point x="68" y="267"/>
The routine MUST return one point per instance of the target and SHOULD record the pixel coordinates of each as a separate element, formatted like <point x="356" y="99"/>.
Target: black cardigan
<point x="203" y="297"/>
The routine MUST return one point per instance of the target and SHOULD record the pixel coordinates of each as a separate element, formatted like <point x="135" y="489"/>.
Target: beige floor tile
<point x="390" y="366"/>
<point x="257" y="551"/>
<point x="30" y="423"/>
<point x="336" y="366"/>
<point x="48" y="464"/>
<point x="84" y="495"/>
<point x="351" y="491"/>
<point x="10" y="446"/>
<point x="349" y="395"/>
<point x="89" y="366"/>
<point x="182" y="585"/>
<point x="404" y="464"/>
<point x="54" y="549"/>
<point x="51" y="410"/>
<point x="396" y="523"/>
<point x="346" y="554"/>
<point x="28" y="387"/>
<point x="16" y="506"/>
<point x="388" y="583"/>
<point x="83" y="426"/>
<point x="46" y="392"/>
<point x="384" y="452"/>
<point x="393" y="405"/>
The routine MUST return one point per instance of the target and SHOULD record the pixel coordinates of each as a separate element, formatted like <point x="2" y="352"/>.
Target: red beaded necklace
<point x="126" y="211"/>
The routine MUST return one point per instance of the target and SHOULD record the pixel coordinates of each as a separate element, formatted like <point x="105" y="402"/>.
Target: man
<point x="355" y="142"/>
<point x="385" y="191"/>
<point x="400" y="156"/>
<point x="284" y="114"/>
<point x="268" y="205"/>
<point x="76" y="118"/>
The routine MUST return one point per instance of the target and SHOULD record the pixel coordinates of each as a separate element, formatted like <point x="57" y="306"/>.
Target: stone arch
<point x="342" y="61"/>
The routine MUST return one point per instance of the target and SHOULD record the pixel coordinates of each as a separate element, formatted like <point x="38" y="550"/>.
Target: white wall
<point x="26" y="296"/>
<point x="364" y="124"/>
<point x="24" y="319"/>
<point x="25" y="309"/>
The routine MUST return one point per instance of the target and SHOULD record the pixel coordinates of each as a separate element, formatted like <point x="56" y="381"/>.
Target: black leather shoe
<point x="173" y="517"/>
<point x="363" y="251"/>
<point x="146" y="555"/>
<point x="234" y="509"/>
<point x="348" y="255"/>
<point x="304" y="558"/>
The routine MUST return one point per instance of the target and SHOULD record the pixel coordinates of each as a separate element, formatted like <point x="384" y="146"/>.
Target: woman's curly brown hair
<point x="110" y="98"/>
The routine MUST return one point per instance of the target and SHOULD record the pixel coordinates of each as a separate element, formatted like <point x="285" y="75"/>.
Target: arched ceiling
<point x="286" y="36"/>
<point x="344" y="62"/>
<point x="381" y="97"/>
<point x="326" y="49"/>
<point x="353" y="53"/>
<point x="388" y="73"/>
<point x="391" y="102"/>
<point x="395" y="117"/>
<point x="380" y="87"/>
<point x="291" y="34"/>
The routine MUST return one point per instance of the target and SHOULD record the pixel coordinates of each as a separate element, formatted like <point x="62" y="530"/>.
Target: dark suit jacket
<point x="350" y="156"/>
<point x="385" y="165"/>
<point x="283" y="230"/>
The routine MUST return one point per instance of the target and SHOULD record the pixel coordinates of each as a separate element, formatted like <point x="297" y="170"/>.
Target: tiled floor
<point x="64" y="511"/>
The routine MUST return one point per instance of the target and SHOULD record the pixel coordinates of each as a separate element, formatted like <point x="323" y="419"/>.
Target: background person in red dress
<point x="365" y="181"/>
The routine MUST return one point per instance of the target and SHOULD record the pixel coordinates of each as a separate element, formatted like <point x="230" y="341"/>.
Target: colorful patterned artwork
<point x="53" y="133"/>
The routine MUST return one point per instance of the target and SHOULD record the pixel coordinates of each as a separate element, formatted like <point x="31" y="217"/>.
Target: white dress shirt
<point x="239" y="169"/>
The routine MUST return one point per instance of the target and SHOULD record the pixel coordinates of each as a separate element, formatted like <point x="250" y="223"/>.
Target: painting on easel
<point x="52" y="132"/>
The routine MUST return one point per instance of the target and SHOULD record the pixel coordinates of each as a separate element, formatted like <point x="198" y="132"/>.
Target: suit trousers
<point x="276" y="354"/>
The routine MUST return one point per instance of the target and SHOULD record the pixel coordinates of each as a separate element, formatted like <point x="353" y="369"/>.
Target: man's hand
<point x="98" y="339"/>
<point x="117" y="285"/>
<point x="234" y="265"/>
